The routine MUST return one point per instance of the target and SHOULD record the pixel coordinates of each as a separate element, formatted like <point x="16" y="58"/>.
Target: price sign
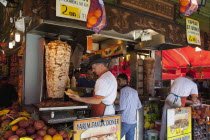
<point x="66" y="10"/>
<point x="193" y="31"/>
<point x="74" y="9"/>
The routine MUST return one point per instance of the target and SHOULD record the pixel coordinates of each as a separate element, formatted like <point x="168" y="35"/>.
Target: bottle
<point x="73" y="82"/>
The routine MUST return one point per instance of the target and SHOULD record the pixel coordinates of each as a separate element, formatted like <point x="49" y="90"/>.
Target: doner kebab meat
<point x="57" y="67"/>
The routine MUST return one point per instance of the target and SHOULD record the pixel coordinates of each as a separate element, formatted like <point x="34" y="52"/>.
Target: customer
<point x="87" y="81"/>
<point x="181" y="88"/>
<point x="128" y="103"/>
<point x="8" y="93"/>
<point x="105" y="89"/>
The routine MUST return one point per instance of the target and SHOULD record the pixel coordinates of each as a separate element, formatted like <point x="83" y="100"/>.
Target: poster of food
<point x="179" y="123"/>
<point x="111" y="51"/>
<point x="105" y="128"/>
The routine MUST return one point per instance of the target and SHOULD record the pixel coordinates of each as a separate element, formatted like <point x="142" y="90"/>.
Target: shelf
<point x="62" y="108"/>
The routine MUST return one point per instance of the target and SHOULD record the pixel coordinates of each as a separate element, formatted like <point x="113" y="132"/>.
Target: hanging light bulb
<point x="17" y="37"/>
<point x="10" y="45"/>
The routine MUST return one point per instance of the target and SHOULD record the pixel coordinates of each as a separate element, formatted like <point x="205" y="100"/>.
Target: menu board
<point x="100" y="128"/>
<point x="179" y="123"/>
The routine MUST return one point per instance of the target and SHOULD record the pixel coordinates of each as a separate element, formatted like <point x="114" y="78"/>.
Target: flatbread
<point x="70" y="92"/>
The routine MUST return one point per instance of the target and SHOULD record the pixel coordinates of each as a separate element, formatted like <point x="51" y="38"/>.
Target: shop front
<point x="119" y="42"/>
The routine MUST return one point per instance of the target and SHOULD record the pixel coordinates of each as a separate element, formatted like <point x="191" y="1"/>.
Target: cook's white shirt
<point x="184" y="87"/>
<point x="106" y="89"/>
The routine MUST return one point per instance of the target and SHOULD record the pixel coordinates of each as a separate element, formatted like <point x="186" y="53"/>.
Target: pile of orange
<point x="93" y="17"/>
<point x="183" y="5"/>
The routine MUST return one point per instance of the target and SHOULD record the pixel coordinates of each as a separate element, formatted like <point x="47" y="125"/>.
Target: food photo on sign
<point x="106" y="128"/>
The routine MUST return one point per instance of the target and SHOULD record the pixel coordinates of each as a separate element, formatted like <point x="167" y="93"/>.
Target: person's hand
<point x="196" y="101"/>
<point x="75" y="97"/>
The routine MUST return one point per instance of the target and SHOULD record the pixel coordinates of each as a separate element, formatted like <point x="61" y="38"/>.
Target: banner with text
<point x="179" y="123"/>
<point x="74" y="9"/>
<point x="193" y="31"/>
<point x="100" y="128"/>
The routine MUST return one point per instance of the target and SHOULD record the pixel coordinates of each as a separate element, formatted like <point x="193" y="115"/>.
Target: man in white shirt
<point x="105" y="90"/>
<point x="181" y="88"/>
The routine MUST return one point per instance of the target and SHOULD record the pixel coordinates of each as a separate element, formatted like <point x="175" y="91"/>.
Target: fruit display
<point x="199" y="119"/>
<point x="57" y="67"/>
<point x="151" y="114"/>
<point x="16" y="124"/>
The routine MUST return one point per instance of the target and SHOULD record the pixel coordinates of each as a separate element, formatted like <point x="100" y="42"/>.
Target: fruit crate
<point x="199" y="130"/>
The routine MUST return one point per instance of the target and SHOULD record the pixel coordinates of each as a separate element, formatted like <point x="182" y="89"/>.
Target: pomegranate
<point x="14" y="137"/>
<point x="30" y="130"/>
<point x="21" y="132"/>
<point x="63" y="134"/>
<point x="38" y="138"/>
<point x="23" y="123"/>
<point x="42" y="132"/>
<point x="39" y="124"/>
<point x="51" y="131"/>
<point x="8" y="134"/>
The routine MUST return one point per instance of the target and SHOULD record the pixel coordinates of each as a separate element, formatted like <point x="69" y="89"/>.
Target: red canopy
<point x="176" y="62"/>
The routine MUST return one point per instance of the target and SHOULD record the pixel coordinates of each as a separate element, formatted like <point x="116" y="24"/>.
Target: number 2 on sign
<point x="69" y="11"/>
<point x="65" y="7"/>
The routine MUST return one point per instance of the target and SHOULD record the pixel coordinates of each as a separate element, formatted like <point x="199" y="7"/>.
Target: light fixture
<point x="3" y="2"/>
<point x="13" y="42"/>
<point x="201" y="3"/>
<point x="10" y="45"/>
<point x="197" y="49"/>
<point x="142" y="57"/>
<point x="17" y="37"/>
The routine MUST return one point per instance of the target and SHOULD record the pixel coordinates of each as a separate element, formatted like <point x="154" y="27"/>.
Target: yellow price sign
<point x="192" y="39"/>
<point x="70" y="11"/>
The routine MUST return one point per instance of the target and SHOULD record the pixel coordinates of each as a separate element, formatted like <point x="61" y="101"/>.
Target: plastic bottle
<point x="73" y="82"/>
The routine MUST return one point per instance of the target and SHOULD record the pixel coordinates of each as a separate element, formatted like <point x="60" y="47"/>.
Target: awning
<point x="176" y="62"/>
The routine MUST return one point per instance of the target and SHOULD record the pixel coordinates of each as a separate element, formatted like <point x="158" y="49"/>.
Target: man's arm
<point x="88" y="100"/>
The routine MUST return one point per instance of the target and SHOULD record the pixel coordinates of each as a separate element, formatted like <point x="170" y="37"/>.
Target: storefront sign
<point x="193" y="31"/>
<point x="111" y="51"/>
<point x="74" y="9"/>
<point x="101" y="128"/>
<point x="179" y="124"/>
<point x="156" y="7"/>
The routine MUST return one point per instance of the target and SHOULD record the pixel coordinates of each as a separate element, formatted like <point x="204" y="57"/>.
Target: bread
<point x="70" y="92"/>
<point x="99" y="131"/>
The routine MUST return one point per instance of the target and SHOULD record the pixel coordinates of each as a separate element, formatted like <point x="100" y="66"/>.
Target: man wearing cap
<point x="181" y="88"/>
<point x="105" y="90"/>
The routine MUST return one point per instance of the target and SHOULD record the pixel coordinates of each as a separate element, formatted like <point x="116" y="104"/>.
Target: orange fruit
<point x="14" y="127"/>
<point x="57" y="137"/>
<point x="97" y="13"/>
<point x="89" y="25"/>
<point x="90" y="14"/>
<point x="182" y="9"/>
<point x="184" y="2"/>
<point x="48" y="137"/>
<point x="92" y="20"/>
